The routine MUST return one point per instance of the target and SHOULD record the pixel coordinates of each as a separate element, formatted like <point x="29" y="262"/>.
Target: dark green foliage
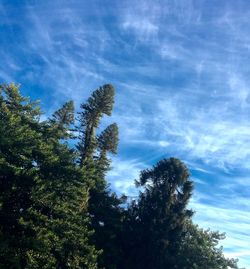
<point x="105" y="209"/>
<point x="107" y="143"/>
<point x="56" y="208"/>
<point x="61" y="121"/>
<point x="100" y="103"/>
<point x="158" y="231"/>
<point x="65" y="115"/>
<point x="157" y="220"/>
<point x="19" y="138"/>
<point x="44" y="197"/>
<point x="104" y="206"/>
<point x="93" y="149"/>
<point x="199" y="250"/>
<point x="59" y="212"/>
<point x="108" y="139"/>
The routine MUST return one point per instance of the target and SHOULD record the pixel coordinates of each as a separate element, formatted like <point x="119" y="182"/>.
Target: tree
<point x="158" y="231"/>
<point x="100" y="103"/>
<point x="19" y="137"/>
<point x="104" y="206"/>
<point x="156" y="221"/>
<point x="60" y="200"/>
<point x="199" y="250"/>
<point x="44" y="193"/>
<point x="61" y="121"/>
<point x="58" y="212"/>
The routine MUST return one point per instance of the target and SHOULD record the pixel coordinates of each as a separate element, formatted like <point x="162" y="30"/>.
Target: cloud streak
<point x="182" y="77"/>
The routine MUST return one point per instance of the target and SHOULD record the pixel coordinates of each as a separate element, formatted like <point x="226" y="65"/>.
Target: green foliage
<point x="157" y="220"/>
<point x="56" y="208"/>
<point x="100" y="103"/>
<point x="158" y="231"/>
<point x="107" y="213"/>
<point x="107" y="143"/>
<point x="108" y="139"/>
<point x="104" y="206"/>
<point x="199" y="250"/>
<point x="44" y="195"/>
<point x="65" y="115"/>
<point x="61" y="121"/>
<point x="19" y="138"/>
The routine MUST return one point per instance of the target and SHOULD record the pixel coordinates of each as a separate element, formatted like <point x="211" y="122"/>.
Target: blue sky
<point x="182" y="72"/>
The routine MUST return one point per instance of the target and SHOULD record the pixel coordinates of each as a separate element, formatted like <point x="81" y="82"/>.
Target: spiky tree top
<point x="99" y="104"/>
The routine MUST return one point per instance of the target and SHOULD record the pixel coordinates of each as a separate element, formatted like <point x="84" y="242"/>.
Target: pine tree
<point x="100" y="103"/>
<point x="107" y="142"/>
<point x="19" y="137"/>
<point x="61" y="121"/>
<point x="199" y="250"/>
<point x="104" y="206"/>
<point x="158" y="231"/>
<point x="155" y="224"/>
<point x="56" y="208"/>
<point x="60" y="201"/>
<point x="65" y="115"/>
<point x="44" y="193"/>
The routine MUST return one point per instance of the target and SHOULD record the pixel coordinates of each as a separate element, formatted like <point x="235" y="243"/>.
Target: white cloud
<point x="235" y="222"/>
<point x="182" y="76"/>
<point x="143" y="27"/>
<point x="123" y="174"/>
<point x="239" y="89"/>
<point x="212" y="132"/>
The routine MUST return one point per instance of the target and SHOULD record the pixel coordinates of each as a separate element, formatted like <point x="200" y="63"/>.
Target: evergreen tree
<point x="61" y="121"/>
<point x="107" y="142"/>
<point x="60" y="201"/>
<point x="19" y="137"/>
<point x="158" y="231"/>
<point x="156" y="222"/>
<point x="199" y="250"/>
<point x="56" y="208"/>
<point x="104" y="206"/>
<point x="44" y="195"/>
<point x="100" y="103"/>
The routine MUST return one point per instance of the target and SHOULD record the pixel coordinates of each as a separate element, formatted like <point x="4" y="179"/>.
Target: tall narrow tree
<point x="104" y="206"/>
<point x="100" y="103"/>
<point x="155" y="224"/>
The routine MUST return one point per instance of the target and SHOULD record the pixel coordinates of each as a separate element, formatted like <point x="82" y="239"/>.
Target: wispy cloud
<point x="123" y="174"/>
<point x="182" y="77"/>
<point x="142" y="20"/>
<point x="235" y="222"/>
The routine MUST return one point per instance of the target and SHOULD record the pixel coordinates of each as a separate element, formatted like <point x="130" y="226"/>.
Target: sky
<point x="181" y="71"/>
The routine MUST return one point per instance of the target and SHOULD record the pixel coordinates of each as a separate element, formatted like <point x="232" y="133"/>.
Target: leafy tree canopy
<point x="56" y="207"/>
